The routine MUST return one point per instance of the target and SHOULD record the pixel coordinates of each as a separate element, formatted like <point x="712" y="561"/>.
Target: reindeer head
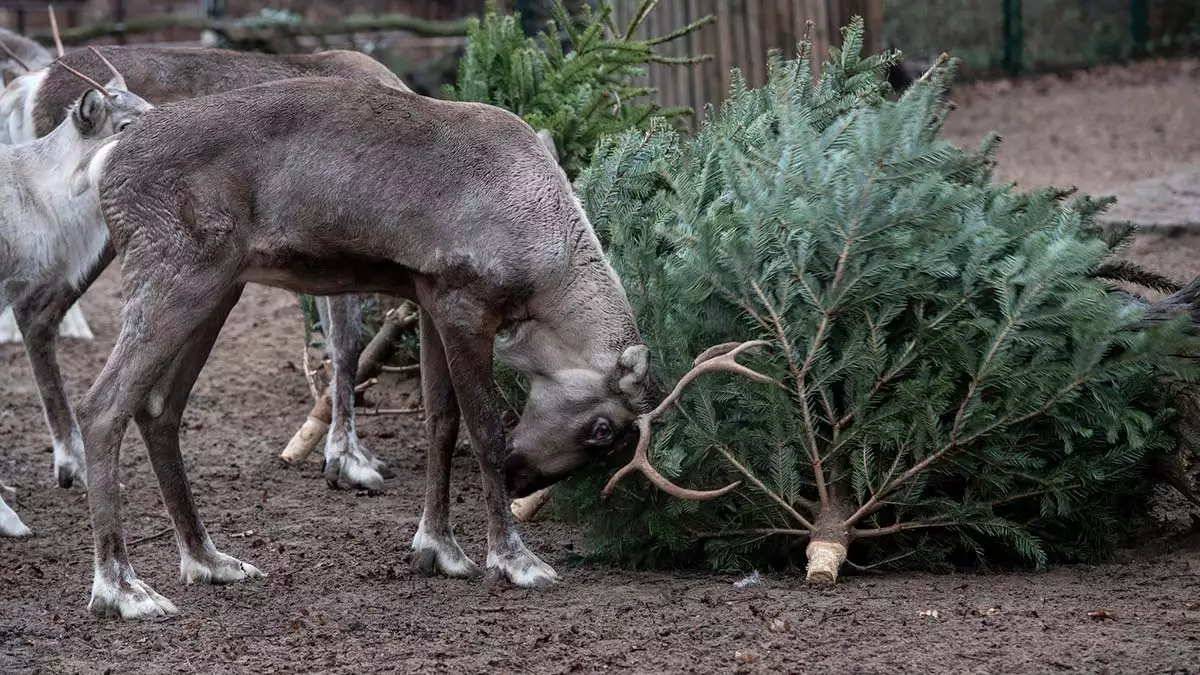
<point x="574" y="414"/>
<point x="104" y="110"/>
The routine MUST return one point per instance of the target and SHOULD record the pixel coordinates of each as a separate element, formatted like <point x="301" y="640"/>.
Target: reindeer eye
<point x="602" y="433"/>
<point x="122" y="125"/>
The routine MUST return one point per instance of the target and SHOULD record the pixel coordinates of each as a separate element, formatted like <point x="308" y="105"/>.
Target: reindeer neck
<point x="60" y="151"/>
<point x="588" y="309"/>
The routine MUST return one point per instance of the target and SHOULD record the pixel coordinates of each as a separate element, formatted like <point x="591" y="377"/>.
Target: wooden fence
<point x="743" y="33"/>
<point x="30" y="16"/>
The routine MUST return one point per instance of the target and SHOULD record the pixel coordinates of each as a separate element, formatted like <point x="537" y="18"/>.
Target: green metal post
<point x="1014" y="38"/>
<point x="1139" y="27"/>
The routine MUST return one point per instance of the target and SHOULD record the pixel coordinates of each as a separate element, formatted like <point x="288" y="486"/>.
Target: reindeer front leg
<point x="468" y="345"/>
<point x="346" y="459"/>
<point x="434" y="543"/>
<point x="39" y="315"/>
<point x="10" y="522"/>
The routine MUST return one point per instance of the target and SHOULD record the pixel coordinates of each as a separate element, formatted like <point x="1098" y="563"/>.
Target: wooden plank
<point x="758" y="48"/>
<point x="682" y="74"/>
<point x="696" y="48"/>
<point x="724" y="45"/>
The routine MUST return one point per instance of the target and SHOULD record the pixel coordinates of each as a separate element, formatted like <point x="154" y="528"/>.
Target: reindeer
<point x="21" y="54"/>
<point x="51" y="228"/>
<point x="326" y="186"/>
<point x="36" y="103"/>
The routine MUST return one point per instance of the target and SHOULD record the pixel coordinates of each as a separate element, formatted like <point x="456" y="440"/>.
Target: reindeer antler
<point x="95" y="85"/>
<point x="13" y="56"/>
<point x="718" y="358"/>
<point x="111" y="67"/>
<point x="54" y="29"/>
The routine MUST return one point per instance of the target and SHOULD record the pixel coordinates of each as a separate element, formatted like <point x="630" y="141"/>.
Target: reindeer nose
<point x="520" y="478"/>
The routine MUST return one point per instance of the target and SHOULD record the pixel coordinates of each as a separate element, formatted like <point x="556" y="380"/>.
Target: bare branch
<point x="767" y="531"/>
<point x="941" y="61"/>
<point x="392" y="411"/>
<point x="719" y="358"/>
<point x="898" y="527"/>
<point x="411" y="368"/>
<point x="800" y="373"/>
<point x="310" y="375"/>
<point x="774" y="497"/>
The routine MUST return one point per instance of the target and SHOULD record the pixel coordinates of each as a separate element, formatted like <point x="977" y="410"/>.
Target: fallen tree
<point x="946" y="372"/>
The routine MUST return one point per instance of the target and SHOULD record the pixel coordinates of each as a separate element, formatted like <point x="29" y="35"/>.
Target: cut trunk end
<point x="526" y="508"/>
<point x="825" y="558"/>
<point x="305" y="441"/>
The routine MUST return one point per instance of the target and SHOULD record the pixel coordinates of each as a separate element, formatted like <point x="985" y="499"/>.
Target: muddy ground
<point x="340" y="597"/>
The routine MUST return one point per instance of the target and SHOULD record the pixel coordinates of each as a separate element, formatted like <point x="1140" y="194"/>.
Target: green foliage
<point x="578" y="95"/>
<point x="946" y="348"/>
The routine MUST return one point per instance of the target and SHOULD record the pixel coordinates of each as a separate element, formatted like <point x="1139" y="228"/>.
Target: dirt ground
<point x="341" y="598"/>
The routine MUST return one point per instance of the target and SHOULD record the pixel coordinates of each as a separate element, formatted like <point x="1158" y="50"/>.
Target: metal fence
<point x="1010" y="36"/>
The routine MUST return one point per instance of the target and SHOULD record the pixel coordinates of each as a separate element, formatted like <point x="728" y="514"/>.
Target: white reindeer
<point x="51" y="227"/>
<point x="35" y="104"/>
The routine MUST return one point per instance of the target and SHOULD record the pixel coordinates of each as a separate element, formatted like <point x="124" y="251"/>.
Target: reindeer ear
<point x="548" y="141"/>
<point x="632" y="368"/>
<point x="117" y="82"/>
<point x="89" y="115"/>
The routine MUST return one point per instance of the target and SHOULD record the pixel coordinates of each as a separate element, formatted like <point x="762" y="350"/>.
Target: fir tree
<point x="948" y="372"/>
<point x="579" y="88"/>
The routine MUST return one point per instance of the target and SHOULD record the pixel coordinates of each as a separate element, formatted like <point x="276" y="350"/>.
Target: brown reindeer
<point x="325" y="186"/>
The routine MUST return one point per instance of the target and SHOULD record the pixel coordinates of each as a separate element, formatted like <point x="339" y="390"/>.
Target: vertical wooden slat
<point x="758" y="49"/>
<point x="679" y="49"/>
<point x="665" y="21"/>
<point x="783" y="28"/>
<point x="696" y="48"/>
<point x="724" y="44"/>
<point x="731" y="48"/>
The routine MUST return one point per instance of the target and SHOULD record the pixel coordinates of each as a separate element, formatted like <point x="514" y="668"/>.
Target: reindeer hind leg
<point x="165" y="305"/>
<point x="434" y="543"/>
<point x="159" y="422"/>
<point x="347" y="460"/>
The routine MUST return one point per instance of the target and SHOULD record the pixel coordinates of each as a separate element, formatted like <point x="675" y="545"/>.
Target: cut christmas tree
<point x="930" y="368"/>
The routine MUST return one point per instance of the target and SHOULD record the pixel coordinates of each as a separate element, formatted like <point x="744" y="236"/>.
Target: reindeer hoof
<point x="69" y="468"/>
<point x="520" y="566"/>
<point x="441" y="553"/>
<point x="128" y="599"/>
<point x="10" y="523"/>
<point x="352" y="471"/>
<point x="214" y="567"/>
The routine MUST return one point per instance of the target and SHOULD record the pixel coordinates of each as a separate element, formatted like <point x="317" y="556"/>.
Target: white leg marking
<point x="519" y="565"/>
<point x="73" y="325"/>
<point x="69" y="460"/>
<point x="214" y="567"/>
<point x="10" y="522"/>
<point x="447" y="554"/>
<point x="117" y="592"/>
<point x="348" y="462"/>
